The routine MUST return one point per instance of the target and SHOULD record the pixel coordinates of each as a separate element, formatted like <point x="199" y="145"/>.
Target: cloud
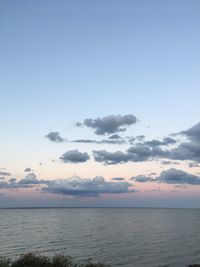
<point x="181" y="186"/>
<point x="28" y="181"/>
<point x="193" y="165"/>
<point x="175" y="176"/>
<point x="186" y="151"/>
<point x="140" y="150"/>
<point x="4" y="184"/>
<point x="143" y="152"/>
<point x="74" y="186"/>
<point x="11" y="184"/>
<point x="190" y="149"/>
<point x="168" y="162"/>
<point x="30" y="178"/>
<point x="110" y="124"/>
<point x="156" y="149"/>
<point x="111" y="157"/>
<point x="152" y="174"/>
<point x="139" y="140"/>
<point x="100" y="142"/>
<point x="77" y="186"/>
<point x="137" y="153"/>
<point x="118" y="179"/>
<point x="170" y="176"/>
<point x="27" y="170"/>
<point x="142" y="179"/>
<point x="5" y="173"/>
<point x="140" y="137"/>
<point x="165" y="142"/>
<point x="55" y="137"/>
<point x="12" y="180"/>
<point x="193" y="133"/>
<point x="154" y="190"/>
<point x="115" y="136"/>
<point x="74" y="156"/>
<point x="78" y="124"/>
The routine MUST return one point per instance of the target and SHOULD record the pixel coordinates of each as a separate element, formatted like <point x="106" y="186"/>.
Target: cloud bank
<point x="77" y="186"/>
<point x="171" y="176"/>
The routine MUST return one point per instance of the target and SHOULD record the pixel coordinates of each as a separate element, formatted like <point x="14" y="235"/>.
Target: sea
<point x="130" y="237"/>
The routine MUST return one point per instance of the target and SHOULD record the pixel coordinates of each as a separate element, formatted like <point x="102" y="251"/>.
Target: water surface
<point x="117" y="236"/>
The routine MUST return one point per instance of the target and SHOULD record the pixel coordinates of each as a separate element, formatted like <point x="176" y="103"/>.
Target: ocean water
<point x="116" y="236"/>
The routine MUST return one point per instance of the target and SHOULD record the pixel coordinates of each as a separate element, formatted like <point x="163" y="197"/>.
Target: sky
<point x="100" y="103"/>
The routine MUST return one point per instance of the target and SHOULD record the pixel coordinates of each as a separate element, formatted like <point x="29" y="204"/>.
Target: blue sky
<point x="65" y="61"/>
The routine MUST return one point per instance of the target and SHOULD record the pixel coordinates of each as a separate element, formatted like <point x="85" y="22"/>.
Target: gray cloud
<point x="110" y="124"/>
<point x="142" y="179"/>
<point x="193" y="165"/>
<point x="4" y="185"/>
<point x="140" y="137"/>
<point x="27" y="170"/>
<point x="170" y="176"/>
<point x="152" y="143"/>
<point x="28" y="181"/>
<point x="156" y="149"/>
<point x="135" y="153"/>
<point x="5" y="173"/>
<point x="78" y="124"/>
<point x="118" y="179"/>
<point x="165" y="142"/>
<point x="115" y="139"/>
<point x="143" y="152"/>
<point x="193" y="133"/>
<point x="12" y="185"/>
<point x="74" y="186"/>
<point x="138" y="152"/>
<point x="189" y="150"/>
<point x="115" y="136"/>
<point x="152" y="174"/>
<point x="132" y="140"/>
<point x="186" y="151"/>
<point x="55" y="137"/>
<point x="100" y="142"/>
<point x="175" y="176"/>
<point x="30" y="178"/>
<point x="74" y="156"/>
<point x="111" y="157"/>
<point x="169" y="141"/>
<point x="154" y="190"/>
<point x="12" y="180"/>
<point x="77" y="186"/>
<point x="168" y="162"/>
<point x="181" y="186"/>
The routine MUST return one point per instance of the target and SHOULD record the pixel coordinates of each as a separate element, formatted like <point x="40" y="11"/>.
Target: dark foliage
<point x="35" y="260"/>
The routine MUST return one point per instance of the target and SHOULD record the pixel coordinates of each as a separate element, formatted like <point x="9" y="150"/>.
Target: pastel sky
<point x="100" y="103"/>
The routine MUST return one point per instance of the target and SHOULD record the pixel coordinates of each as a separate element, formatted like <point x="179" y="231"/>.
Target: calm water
<point x="119" y="237"/>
